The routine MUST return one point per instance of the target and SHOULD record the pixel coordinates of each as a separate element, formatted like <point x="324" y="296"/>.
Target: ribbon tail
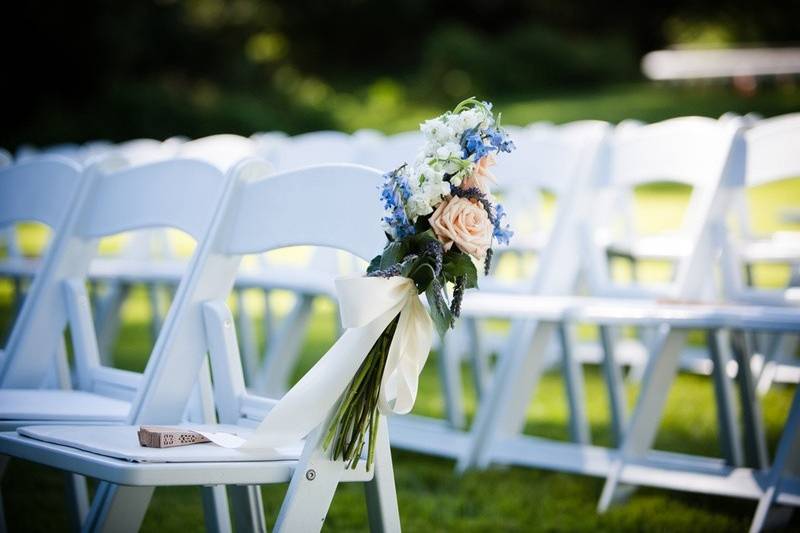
<point x="408" y="352"/>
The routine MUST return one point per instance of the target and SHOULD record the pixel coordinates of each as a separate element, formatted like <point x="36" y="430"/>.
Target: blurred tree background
<point x="121" y="69"/>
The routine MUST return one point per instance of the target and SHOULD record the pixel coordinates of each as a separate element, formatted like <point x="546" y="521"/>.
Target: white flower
<point x="436" y="190"/>
<point x="437" y="131"/>
<point x="448" y="150"/>
<point x="431" y="173"/>
<point x="419" y="205"/>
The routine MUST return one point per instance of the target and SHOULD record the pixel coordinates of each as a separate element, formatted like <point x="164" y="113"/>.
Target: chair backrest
<point x="223" y="151"/>
<point x="773" y="154"/>
<point x="142" y="151"/>
<point x="564" y="160"/>
<point x="548" y="159"/>
<point x="316" y="148"/>
<point x="327" y="205"/>
<point x="773" y="150"/>
<point x="40" y="189"/>
<point x="179" y="193"/>
<point x="692" y="150"/>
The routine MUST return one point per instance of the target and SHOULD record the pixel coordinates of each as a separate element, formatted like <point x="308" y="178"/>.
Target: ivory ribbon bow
<point x="367" y="305"/>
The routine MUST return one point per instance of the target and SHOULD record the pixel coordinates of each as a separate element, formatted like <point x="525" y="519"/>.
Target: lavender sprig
<point x="458" y="296"/>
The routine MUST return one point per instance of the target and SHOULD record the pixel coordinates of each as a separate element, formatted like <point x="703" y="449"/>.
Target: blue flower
<point x="394" y="193"/>
<point x="501" y="233"/>
<point x="474" y="146"/>
<point x="499" y="140"/>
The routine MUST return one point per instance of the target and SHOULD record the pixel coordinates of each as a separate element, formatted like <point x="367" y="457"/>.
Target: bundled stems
<point x="357" y="413"/>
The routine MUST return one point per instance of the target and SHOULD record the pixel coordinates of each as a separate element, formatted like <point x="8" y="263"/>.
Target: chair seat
<point x="151" y="474"/>
<point x="60" y="406"/>
<point x="664" y="247"/>
<point x="122" y="442"/>
<point x="25" y="267"/>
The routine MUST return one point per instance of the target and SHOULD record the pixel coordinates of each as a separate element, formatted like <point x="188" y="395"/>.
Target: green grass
<point x="432" y="497"/>
<point x="386" y="106"/>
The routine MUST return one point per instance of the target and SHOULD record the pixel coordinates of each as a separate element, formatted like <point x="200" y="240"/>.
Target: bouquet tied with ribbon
<point x="441" y="221"/>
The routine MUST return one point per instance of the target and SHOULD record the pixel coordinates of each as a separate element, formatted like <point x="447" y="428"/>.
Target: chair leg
<point x="247" y="337"/>
<point x="729" y="434"/>
<point x="615" y="386"/>
<point x="449" y="367"/>
<point x="284" y="349"/>
<point x="641" y="432"/>
<point x="573" y="382"/>
<point x="479" y="357"/>
<point x="311" y="489"/>
<point x="502" y="413"/>
<point x="107" y="319"/>
<point x="247" y="509"/>
<point x="118" y="509"/>
<point x="77" y="496"/>
<point x="215" y="509"/>
<point x="381" y="494"/>
<point x="755" y="440"/>
<point x="787" y="461"/>
<point x="156" y="320"/>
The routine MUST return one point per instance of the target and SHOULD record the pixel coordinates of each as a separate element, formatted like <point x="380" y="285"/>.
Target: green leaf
<point x="393" y="254"/>
<point x="422" y="274"/>
<point x="440" y="314"/>
<point x="457" y="263"/>
<point x="374" y="265"/>
<point x="418" y="241"/>
<point x="422" y="225"/>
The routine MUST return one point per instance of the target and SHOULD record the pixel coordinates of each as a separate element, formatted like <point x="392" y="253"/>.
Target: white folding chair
<point x="105" y="203"/>
<point x="772" y="155"/>
<point x="556" y="159"/>
<point x="41" y="190"/>
<point x="148" y="257"/>
<point x="673" y="148"/>
<point x="307" y="281"/>
<point x="263" y="214"/>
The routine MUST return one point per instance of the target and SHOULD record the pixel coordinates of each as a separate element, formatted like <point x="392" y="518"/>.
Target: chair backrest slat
<point x="40" y="189"/>
<point x="327" y="205"/>
<point x="773" y="150"/>
<point x="176" y="193"/>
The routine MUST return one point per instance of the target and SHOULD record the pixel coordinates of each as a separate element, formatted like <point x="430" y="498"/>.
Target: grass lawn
<point x="432" y="497"/>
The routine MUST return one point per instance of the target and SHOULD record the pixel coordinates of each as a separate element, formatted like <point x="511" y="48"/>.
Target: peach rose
<point x="481" y="177"/>
<point x="461" y="222"/>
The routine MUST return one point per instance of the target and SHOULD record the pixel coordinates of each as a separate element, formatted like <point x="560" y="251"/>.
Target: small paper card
<point x="168" y="437"/>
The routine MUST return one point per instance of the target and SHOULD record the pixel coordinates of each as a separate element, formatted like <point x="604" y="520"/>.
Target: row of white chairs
<point x="373" y="149"/>
<point x="583" y="160"/>
<point x="719" y="160"/>
<point x="230" y="214"/>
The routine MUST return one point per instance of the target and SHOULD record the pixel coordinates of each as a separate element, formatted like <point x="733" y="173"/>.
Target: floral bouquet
<point x="440" y="220"/>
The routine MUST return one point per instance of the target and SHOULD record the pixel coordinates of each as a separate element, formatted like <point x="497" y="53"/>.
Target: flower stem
<point x="357" y="413"/>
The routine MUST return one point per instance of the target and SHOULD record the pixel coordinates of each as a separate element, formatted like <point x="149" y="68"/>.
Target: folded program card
<point x="168" y="437"/>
